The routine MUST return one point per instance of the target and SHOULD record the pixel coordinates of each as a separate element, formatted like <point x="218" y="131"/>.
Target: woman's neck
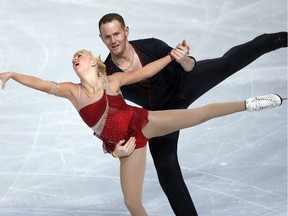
<point x="92" y="86"/>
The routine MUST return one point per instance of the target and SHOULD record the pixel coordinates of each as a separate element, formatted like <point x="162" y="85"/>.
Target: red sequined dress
<point x="112" y="119"/>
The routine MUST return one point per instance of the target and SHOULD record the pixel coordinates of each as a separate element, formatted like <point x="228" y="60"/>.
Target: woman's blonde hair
<point x="101" y="66"/>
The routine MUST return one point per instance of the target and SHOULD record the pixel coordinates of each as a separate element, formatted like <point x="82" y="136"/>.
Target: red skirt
<point x="138" y="119"/>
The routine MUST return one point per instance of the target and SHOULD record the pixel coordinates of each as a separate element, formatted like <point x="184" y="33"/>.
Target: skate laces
<point x="263" y="102"/>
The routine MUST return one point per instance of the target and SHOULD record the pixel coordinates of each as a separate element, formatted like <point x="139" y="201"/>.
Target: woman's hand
<point x="126" y="149"/>
<point x="5" y="77"/>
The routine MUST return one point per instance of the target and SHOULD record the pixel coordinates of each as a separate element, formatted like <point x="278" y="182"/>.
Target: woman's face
<point x="82" y="62"/>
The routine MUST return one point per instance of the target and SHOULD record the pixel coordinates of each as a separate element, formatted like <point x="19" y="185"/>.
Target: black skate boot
<point x="279" y="40"/>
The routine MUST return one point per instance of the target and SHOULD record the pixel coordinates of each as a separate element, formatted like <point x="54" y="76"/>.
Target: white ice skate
<point x="263" y="102"/>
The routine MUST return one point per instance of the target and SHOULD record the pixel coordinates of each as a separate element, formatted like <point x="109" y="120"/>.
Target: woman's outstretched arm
<point x="26" y="80"/>
<point x="62" y="89"/>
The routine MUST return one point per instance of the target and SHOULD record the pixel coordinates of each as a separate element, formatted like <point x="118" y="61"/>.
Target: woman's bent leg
<point x="132" y="170"/>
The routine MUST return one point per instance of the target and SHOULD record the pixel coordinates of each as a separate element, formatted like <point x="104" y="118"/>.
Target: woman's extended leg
<point x="167" y="121"/>
<point x="132" y="170"/>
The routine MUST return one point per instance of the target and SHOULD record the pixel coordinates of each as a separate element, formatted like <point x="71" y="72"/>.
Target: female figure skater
<point x="99" y="102"/>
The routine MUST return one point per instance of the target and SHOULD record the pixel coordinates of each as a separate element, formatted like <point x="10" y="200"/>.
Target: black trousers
<point x="205" y="75"/>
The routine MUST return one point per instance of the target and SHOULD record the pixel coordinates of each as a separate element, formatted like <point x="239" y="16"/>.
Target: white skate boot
<point x="263" y="102"/>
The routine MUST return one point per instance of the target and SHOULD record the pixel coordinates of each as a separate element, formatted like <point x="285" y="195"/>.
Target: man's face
<point x="114" y="36"/>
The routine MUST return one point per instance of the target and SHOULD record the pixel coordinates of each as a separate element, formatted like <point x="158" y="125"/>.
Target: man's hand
<point x="180" y="54"/>
<point x="126" y="149"/>
<point x="181" y="51"/>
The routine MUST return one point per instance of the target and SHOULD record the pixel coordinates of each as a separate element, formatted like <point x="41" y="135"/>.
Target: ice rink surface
<point x="51" y="165"/>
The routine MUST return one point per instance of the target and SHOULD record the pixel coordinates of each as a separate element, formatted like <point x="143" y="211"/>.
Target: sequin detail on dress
<point x="112" y="119"/>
